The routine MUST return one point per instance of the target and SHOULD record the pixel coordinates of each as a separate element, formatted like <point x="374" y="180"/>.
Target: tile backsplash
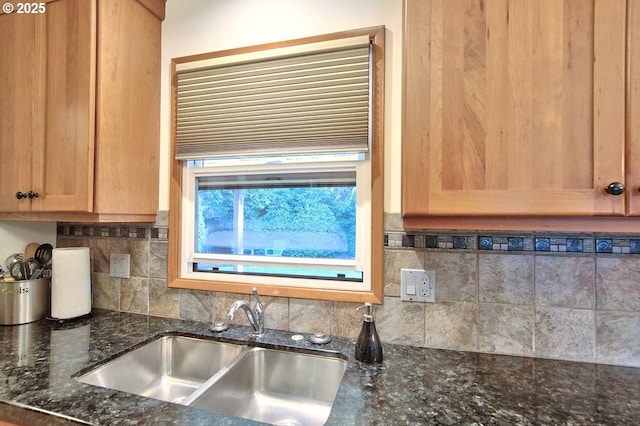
<point x="561" y="296"/>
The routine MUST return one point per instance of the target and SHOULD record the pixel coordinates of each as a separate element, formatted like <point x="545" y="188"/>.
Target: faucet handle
<point x="255" y="294"/>
<point x="258" y="308"/>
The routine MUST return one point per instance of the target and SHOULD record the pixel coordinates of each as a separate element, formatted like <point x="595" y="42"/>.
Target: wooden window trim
<point x="375" y="294"/>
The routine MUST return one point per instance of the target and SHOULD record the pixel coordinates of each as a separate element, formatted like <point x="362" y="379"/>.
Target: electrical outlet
<point x="119" y="265"/>
<point x="417" y="285"/>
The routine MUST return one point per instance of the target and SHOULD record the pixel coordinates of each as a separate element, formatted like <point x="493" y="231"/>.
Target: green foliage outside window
<point x="320" y="213"/>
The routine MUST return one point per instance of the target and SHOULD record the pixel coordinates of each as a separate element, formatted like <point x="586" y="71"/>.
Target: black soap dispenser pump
<point x="368" y="345"/>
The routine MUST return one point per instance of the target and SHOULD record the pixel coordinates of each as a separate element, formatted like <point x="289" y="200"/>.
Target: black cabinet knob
<point x="614" y="188"/>
<point x="20" y="195"/>
<point x="32" y="194"/>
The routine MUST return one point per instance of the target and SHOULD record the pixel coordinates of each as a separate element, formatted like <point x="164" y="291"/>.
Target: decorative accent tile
<point x="460" y="243"/>
<point x="394" y="240"/>
<point x="575" y="245"/>
<point x="432" y="241"/>
<point x="516" y="244"/>
<point x="408" y="241"/>
<point x="163" y="234"/>
<point x="604" y="245"/>
<point x="485" y="243"/>
<point x="543" y="244"/>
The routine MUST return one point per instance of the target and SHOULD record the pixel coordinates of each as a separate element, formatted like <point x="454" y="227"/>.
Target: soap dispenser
<point x="368" y="345"/>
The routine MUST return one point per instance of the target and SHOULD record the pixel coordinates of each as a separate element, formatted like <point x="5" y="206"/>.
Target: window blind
<point x="300" y="99"/>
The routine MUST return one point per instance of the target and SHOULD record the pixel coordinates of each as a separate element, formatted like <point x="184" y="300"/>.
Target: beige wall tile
<point x="618" y="284"/>
<point x="565" y="334"/>
<point x="394" y="260"/>
<point x="103" y="247"/>
<point x="276" y="309"/>
<point x="196" y="305"/>
<point x="163" y="301"/>
<point x="452" y="325"/>
<point x="565" y="281"/>
<point x="456" y="275"/>
<point x="617" y="338"/>
<point x="158" y="259"/>
<point x="134" y="295"/>
<point x="140" y="255"/>
<point x="400" y="322"/>
<point x="309" y="316"/>
<point x="345" y="320"/>
<point x="393" y="221"/>
<point x="222" y="303"/>
<point x="138" y="249"/>
<point x="505" y="329"/>
<point x="105" y="292"/>
<point x="553" y="317"/>
<point x="505" y="278"/>
<point x="276" y="312"/>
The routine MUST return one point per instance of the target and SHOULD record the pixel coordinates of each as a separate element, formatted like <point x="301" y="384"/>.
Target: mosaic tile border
<point x="539" y="243"/>
<point x="113" y="231"/>
<point x="428" y="240"/>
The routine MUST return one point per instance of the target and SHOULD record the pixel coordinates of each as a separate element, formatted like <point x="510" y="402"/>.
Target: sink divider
<point x="217" y="376"/>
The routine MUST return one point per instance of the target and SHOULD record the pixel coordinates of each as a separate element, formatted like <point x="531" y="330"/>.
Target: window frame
<point x="176" y="241"/>
<point x="362" y="259"/>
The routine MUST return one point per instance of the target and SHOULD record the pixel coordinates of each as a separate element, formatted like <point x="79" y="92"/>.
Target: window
<point x="290" y="205"/>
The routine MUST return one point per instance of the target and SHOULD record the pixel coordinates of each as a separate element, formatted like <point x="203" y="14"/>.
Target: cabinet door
<point x="20" y="107"/>
<point x="63" y="167"/>
<point x="128" y="126"/>
<point x="633" y="108"/>
<point x="513" y="107"/>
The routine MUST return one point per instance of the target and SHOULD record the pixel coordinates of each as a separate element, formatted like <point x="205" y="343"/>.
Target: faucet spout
<point x="255" y="315"/>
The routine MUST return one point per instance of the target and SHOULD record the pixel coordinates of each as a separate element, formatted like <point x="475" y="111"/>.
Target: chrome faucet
<point x="255" y="315"/>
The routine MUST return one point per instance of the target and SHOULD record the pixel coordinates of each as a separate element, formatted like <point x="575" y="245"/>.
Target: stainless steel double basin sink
<point x="269" y="385"/>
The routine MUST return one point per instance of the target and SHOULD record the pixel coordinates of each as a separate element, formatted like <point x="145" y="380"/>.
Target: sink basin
<point x="275" y="386"/>
<point x="169" y="368"/>
<point x="254" y="382"/>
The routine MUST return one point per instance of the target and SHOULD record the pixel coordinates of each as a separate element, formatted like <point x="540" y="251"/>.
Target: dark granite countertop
<point x="412" y="386"/>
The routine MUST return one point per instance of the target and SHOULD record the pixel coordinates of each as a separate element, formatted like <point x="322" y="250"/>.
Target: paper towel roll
<point x="70" y="282"/>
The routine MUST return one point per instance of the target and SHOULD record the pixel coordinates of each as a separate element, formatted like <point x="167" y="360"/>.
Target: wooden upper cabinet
<point x="17" y="110"/>
<point x="63" y="164"/>
<point x="80" y="123"/>
<point x="633" y="107"/>
<point x="513" y="107"/>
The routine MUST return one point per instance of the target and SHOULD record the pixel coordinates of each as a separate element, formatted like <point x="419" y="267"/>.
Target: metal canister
<point x="24" y="301"/>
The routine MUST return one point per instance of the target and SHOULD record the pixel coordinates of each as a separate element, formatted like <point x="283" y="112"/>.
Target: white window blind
<point x="299" y="99"/>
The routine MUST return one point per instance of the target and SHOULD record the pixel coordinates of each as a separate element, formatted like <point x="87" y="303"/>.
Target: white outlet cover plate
<point x="417" y="285"/>
<point x="119" y="265"/>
